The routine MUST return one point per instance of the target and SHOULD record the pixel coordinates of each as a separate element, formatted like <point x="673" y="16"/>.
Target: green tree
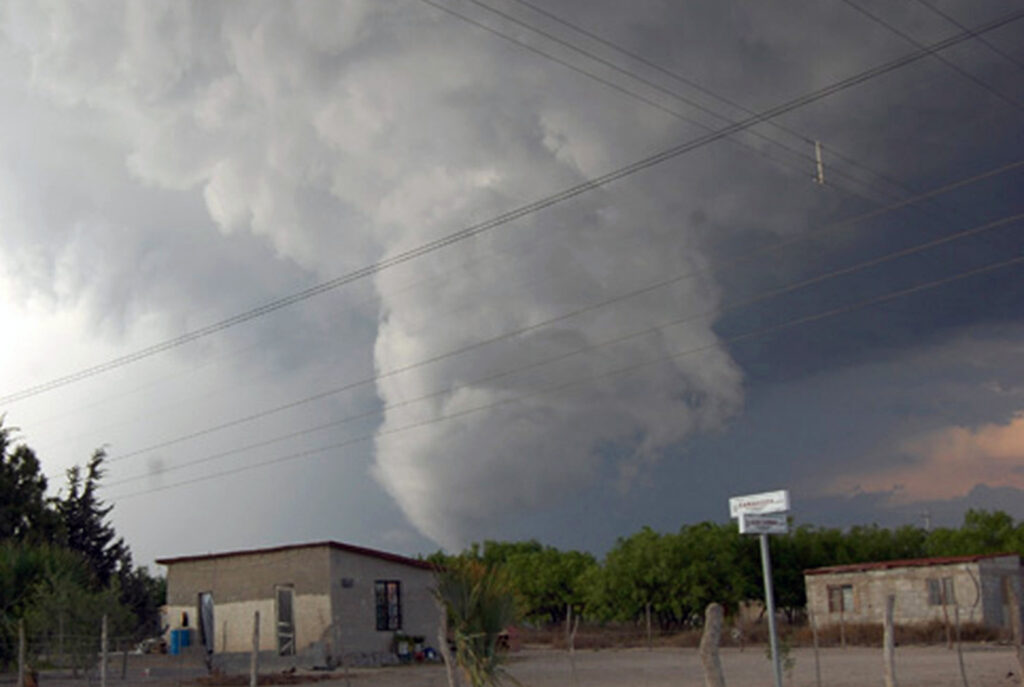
<point x="25" y="512"/>
<point x="85" y="524"/>
<point x="982" y="532"/>
<point x="714" y="563"/>
<point x="635" y="578"/>
<point x="550" y="581"/>
<point x="52" y="589"/>
<point x="143" y="594"/>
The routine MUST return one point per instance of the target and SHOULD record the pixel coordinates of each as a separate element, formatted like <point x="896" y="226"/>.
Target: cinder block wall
<point x="354" y="607"/>
<point x="242" y="584"/>
<point x="977" y="589"/>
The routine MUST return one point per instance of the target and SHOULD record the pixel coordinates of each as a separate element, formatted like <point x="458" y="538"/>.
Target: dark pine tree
<point x="26" y="515"/>
<point x="86" y="529"/>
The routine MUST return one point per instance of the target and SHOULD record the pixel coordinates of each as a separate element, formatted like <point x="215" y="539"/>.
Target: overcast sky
<point x="708" y="323"/>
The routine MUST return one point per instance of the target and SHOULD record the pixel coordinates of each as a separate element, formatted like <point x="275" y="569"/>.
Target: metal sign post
<point x="769" y="596"/>
<point x="763" y="514"/>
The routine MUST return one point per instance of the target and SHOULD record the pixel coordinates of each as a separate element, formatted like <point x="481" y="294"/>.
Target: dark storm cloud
<point x="238" y="153"/>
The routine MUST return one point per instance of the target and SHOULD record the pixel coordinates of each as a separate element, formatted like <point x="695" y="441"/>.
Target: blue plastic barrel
<point x="180" y="639"/>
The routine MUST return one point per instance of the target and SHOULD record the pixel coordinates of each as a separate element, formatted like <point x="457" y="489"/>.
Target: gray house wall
<point x="355" y="606"/>
<point x="334" y="599"/>
<point x="977" y="589"/>
<point x="245" y="583"/>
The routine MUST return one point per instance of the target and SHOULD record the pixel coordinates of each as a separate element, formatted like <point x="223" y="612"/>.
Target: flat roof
<point x="905" y="563"/>
<point x="339" y="546"/>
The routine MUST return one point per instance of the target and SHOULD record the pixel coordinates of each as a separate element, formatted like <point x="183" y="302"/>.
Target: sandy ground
<point x="853" y="667"/>
<point x="985" y="666"/>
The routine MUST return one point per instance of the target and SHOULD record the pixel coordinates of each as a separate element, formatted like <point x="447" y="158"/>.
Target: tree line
<point x="62" y="565"/>
<point x="673" y="576"/>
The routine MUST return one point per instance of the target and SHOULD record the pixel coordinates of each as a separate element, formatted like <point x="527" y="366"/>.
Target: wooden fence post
<point x="889" y="644"/>
<point x="647" y="613"/>
<point x="1013" y="596"/>
<point x="103" y="652"/>
<point x="814" y="637"/>
<point x="959" y="649"/>
<point x="60" y="639"/>
<point x="945" y="616"/>
<point x="21" y="652"/>
<point x="254" y="660"/>
<point x="709" y="642"/>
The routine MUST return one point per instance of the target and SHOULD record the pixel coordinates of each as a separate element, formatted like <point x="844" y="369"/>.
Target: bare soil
<point x="987" y="665"/>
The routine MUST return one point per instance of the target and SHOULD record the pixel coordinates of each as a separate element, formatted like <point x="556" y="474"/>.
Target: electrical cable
<point x="522" y="211"/>
<point x="639" y="58"/>
<point x="952" y="65"/>
<point x="806" y="157"/>
<point x="981" y="39"/>
<point x="674" y="75"/>
<point x="648" y="288"/>
<point x="991" y="267"/>
<point x="709" y="313"/>
<point x="833" y="151"/>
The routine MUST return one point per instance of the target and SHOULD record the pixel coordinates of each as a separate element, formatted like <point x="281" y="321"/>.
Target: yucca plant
<point x="480" y="603"/>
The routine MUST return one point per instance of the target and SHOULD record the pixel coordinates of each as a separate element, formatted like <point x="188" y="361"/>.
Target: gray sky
<point x="712" y="324"/>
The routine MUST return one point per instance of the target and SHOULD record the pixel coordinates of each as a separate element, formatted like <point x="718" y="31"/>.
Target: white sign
<point x="754" y="523"/>
<point x="768" y="502"/>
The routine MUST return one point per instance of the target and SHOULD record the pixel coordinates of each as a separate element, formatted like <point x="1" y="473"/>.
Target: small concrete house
<point x="925" y="590"/>
<point x="318" y="603"/>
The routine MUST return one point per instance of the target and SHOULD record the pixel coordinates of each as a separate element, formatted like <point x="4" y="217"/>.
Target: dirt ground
<point x="852" y="667"/>
<point x="985" y="665"/>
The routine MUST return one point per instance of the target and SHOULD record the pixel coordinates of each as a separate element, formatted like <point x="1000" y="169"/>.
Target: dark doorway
<point x="286" y="621"/>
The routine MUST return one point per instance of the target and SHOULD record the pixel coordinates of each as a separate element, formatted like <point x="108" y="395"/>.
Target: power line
<point x="981" y="39"/>
<point x="952" y="65"/>
<point x="649" y="288"/>
<point x="834" y="152"/>
<point x="611" y="65"/>
<point x="746" y="257"/>
<point x="682" y="79"/>
<point x="806" y="157"/>
<point x="480" y="256"/>
<point x="654" y="66"/>
<point x="522" y="211"/>
<point x="567" y="385"/>
<point x="708" y="313"/>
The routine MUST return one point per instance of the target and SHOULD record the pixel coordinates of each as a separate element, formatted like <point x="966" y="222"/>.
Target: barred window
<point x="388" y="595"/>
<point x="840" y="598"/>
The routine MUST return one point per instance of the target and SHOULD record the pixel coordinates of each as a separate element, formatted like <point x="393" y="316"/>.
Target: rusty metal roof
<point x="906" y="563"/>
<point x="349" y="548"/>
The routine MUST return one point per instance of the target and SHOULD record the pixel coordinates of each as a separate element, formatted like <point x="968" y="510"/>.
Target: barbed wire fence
<point x="95" y="658"/>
